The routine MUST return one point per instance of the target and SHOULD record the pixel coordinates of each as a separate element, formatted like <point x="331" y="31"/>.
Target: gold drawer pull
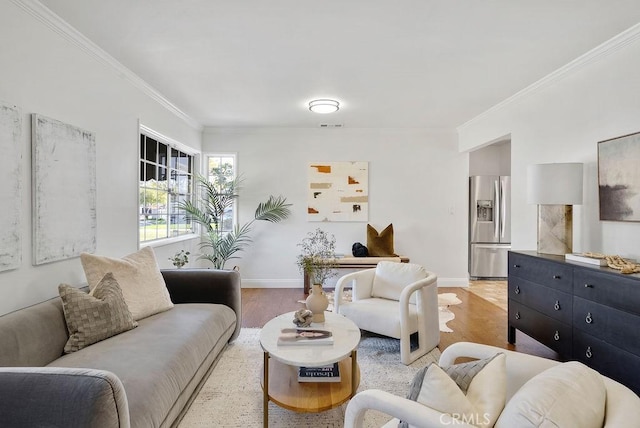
<point x="588" y="319"/>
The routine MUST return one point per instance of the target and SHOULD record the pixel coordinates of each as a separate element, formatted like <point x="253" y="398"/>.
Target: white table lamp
<point x="555" y="187"/>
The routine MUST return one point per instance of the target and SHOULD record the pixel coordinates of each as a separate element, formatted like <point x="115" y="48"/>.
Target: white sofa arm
<point x="414" y="413"/>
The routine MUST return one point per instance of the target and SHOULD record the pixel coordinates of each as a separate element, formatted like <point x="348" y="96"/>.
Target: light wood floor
<point x="477" y="320"/>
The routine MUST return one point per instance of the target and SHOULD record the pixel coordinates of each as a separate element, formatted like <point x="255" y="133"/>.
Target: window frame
<point x="195" y="170"/>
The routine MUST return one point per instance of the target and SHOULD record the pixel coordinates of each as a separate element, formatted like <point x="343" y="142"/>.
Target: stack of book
<point x="330" y="373"/>
<point x="585" y="259"/>
<point x="304" y="336"/>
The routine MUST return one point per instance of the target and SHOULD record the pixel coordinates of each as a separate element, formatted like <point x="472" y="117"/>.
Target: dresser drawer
<point x="551" y="302"/>
<point x="613" y="326"/>
<point x="548" y="331"/>
<point x="612" y="362"/>
<point x="614" y="290"/>
<point x="551" y="274"/>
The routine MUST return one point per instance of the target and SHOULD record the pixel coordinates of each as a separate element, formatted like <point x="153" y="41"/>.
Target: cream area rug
<point x="444" y="301"/>
<point x="232" y="396"/>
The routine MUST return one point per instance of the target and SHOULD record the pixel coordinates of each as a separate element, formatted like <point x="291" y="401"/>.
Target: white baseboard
<point x="297" y="283"/>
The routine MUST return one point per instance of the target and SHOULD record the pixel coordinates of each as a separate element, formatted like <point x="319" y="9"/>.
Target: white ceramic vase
<point x="317" y="303"/>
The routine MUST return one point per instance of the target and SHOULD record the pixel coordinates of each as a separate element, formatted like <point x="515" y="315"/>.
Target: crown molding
<point x="57" y="24"/>
<point x="612" y="45"/>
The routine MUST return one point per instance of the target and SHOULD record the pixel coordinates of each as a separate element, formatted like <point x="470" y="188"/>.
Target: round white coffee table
<point x="280" y="373"/>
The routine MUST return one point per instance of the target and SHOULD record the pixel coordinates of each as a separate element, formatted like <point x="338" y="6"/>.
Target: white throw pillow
<point x="567" y="395"/>
<point x="139" y="277"/>
<point x="392" y="277"/>
<point x="485" y="393"/>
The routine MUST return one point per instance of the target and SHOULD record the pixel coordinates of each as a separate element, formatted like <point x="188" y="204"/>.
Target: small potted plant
<point x="317" y="260"/>
<point x="180" y="258"/>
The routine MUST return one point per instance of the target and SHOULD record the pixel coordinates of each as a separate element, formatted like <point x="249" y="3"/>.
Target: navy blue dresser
<point x="583" y="312"/>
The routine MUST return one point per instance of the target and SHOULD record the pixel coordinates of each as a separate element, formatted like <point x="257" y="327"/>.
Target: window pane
<point x="162" y="154"/>
<point x="174" y="159"/>
<point x="183" y="162"/>
<point x="151" y="150"/>
<point x="150" y="173"/>
<point x="162" y="174"/>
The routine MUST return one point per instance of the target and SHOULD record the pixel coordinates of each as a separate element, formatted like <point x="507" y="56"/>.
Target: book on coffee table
<point x="330" y="373"/>
<point x="304" y="336"/>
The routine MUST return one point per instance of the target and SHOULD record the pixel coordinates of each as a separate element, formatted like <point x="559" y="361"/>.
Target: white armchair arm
<point x="361" y="281"/>
<point x="427" y="309"/>
<point x="403" y="409"/>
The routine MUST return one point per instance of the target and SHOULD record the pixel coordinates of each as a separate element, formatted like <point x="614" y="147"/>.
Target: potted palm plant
<point x="317" y="260"/>
<point x="216" y="198"/>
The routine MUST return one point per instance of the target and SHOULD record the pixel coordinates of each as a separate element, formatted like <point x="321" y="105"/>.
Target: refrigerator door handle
<point x="497" y="221"/>
<point x="503" y="208"/>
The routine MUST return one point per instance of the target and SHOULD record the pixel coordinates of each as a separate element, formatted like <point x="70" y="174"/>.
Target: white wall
<point x="494" y="159"/>
<point x="42" y="71"/>
<point x="561" y="120"/>
<point x="417" y="181"/>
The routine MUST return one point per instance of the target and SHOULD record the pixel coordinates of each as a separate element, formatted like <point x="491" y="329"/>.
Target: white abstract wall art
<point x="64" y="190"/>
<point x="11" y="188"/>
<point x="338" y="191"/>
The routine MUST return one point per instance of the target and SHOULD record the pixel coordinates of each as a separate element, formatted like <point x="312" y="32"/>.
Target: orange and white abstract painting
<point x="338" y="191"/>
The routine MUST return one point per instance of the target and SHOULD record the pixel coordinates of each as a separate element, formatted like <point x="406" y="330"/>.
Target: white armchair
<point x="622" y="406"/>
<point x="394" y="300"/>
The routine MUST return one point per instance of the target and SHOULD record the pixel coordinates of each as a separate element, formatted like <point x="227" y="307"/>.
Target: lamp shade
<point x="554" y="184"/>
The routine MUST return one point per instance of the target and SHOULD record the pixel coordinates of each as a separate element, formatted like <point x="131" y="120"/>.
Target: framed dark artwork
<point x="619" y="178"/>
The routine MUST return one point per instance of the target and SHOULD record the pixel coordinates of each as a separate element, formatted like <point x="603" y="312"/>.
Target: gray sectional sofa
<point x="145" y="377"/>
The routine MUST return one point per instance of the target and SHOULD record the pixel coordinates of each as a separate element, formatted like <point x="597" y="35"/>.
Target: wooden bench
<point x="357" y="263"/>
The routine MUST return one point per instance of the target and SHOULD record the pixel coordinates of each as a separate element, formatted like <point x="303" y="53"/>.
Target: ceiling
<point x="403" y="63"/>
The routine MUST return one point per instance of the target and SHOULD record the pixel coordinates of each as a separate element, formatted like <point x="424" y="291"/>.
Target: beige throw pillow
<point x="142" y="284"/>
<point x="473" y="393"/>
<point x="95" y="316"/>
<point x="567" y="395"/>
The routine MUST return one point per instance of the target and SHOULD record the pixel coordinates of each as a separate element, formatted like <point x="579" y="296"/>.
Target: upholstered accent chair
<point x="394" y="300"/>
<point x="537" y="392"/>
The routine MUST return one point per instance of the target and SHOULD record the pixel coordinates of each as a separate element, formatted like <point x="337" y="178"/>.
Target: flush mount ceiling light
<point x="324" y="106"/>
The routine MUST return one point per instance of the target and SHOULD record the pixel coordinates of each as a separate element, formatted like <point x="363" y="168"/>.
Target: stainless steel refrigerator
<point x="489" y="225"/>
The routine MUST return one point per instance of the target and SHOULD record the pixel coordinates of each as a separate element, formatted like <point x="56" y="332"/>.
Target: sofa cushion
<point x="567" y="395"/>
<point x="158" y="359"/>
<point x="142" y="284"/>
<point x="473" y="392"/>
<point x="391" y="278"/>
<point x="95" y="316"/>
<point x="380" y="244"/>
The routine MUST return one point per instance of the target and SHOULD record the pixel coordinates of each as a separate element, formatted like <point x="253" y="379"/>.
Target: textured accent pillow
<point x="95" y="316"/>
<point x="567" y="395"/>
<point x="392" y="277"/>
<point x="479" y="405"/>
<point x="380" y="244"/>
<point x="142" y="284"/>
